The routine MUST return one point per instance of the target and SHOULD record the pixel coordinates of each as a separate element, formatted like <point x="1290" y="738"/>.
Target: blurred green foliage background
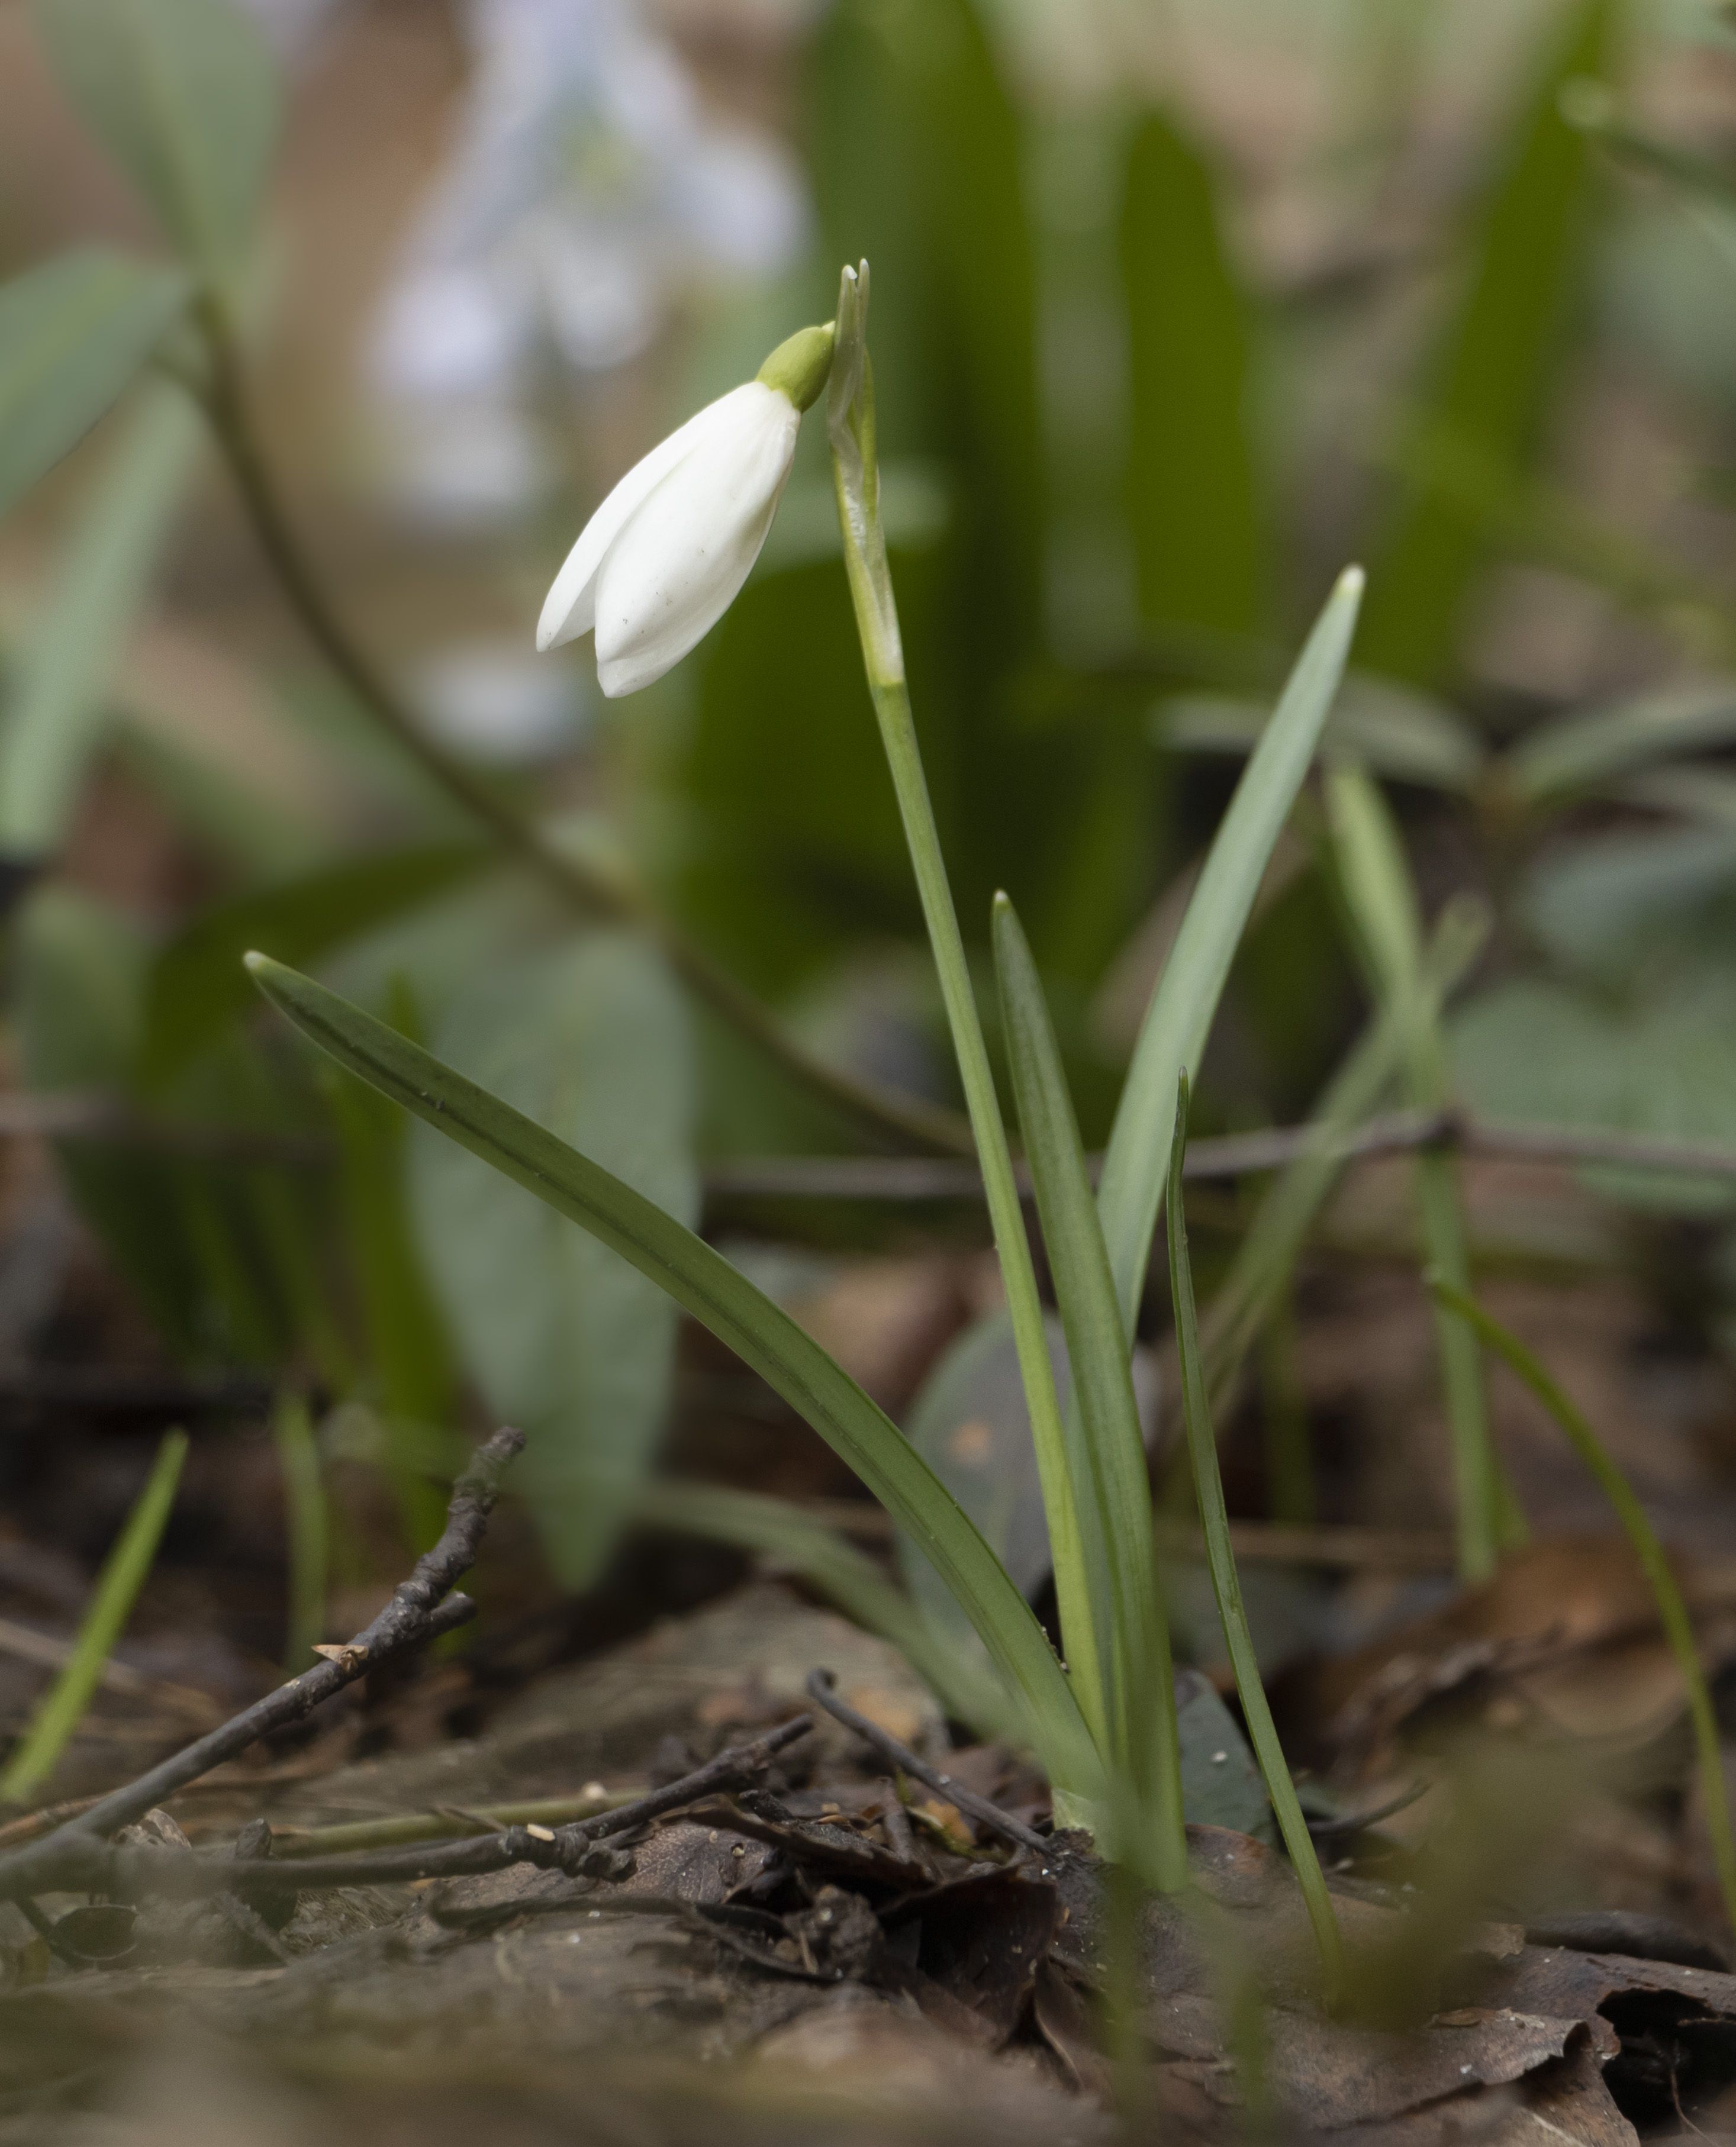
<point x="1176" y="308"/>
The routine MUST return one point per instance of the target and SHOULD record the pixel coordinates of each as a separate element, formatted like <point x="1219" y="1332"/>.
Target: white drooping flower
<point x="665" y="557"/>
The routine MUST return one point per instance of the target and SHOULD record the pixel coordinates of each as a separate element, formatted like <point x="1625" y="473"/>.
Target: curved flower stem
<point x="850" y="421"/>
<point x="580" y="882"/>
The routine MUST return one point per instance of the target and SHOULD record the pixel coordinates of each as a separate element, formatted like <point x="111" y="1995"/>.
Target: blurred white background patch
<point x="586" y="186"/>
<point x="494" y="700"/>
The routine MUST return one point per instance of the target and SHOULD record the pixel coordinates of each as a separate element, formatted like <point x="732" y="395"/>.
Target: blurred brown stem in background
<point x="579" y="882"/>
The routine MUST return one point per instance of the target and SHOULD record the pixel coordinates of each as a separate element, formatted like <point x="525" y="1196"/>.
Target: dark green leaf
<point x="1221" y="1783"/>
<point x="198" y="984"/>
<point x="1490" y="380"/>
<point x="73" y="335"/>
<point x="1191" y="488"/>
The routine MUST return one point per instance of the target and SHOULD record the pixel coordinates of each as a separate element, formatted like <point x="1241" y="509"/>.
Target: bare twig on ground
<point x="420" y="1611"/>
<point x="182" y="1874"/>
<point x="399" y="1829"/>
<point x="1003" y="1824"/>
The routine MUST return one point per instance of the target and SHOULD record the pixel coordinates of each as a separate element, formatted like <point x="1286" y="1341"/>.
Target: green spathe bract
<point x="722" y="1299"/>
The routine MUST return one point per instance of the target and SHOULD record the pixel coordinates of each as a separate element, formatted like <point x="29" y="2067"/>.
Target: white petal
<point x="677" y="566"/>
<point x="570" y="607"/>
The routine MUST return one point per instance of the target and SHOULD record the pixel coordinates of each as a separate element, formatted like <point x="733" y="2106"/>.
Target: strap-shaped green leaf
<point x="1106" y="1451"/>
<point x="183" y="95"/>
<point x="1179" y="1018"/>
<point x="761" y="1332"/>
<point x="73" y="334"/>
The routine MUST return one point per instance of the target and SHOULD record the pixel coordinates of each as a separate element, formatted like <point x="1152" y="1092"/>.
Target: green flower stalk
<point x="850" y="423"/>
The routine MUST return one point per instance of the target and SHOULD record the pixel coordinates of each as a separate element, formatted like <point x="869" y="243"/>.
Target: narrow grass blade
<point x="1179" y="1018"/>
<point x="1272" y="1242"/>
<point x="774" y="1528"/>
<point x="1382" y="901"/>
<point x="760" y="1331"/>
<point x="304" y="1515"/>
<point x="1108" y="1451"/>
<point x="1671" y="1610"/>
<point x="124" y="1572"/>
<point x="1226" y="1585"/>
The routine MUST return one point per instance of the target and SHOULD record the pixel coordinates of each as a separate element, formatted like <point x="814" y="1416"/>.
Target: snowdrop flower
<point x="665" y="557"/>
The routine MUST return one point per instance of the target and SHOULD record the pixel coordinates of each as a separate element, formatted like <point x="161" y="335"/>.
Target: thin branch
<point x="578" y="881"/>
<point x="420" y="1611"/>
<point x="900" y="1178"/>
<point x="181" y="1875"/>
<point x="820" y="1690"/>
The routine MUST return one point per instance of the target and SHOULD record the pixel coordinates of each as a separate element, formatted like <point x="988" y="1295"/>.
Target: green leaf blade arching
<point x="73" y="334"/>
<point x="183" y="94"/>
<point x="1179" y="1018"/>
<point x="1192" y="493"/>
<point x="723" y="1300"/>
